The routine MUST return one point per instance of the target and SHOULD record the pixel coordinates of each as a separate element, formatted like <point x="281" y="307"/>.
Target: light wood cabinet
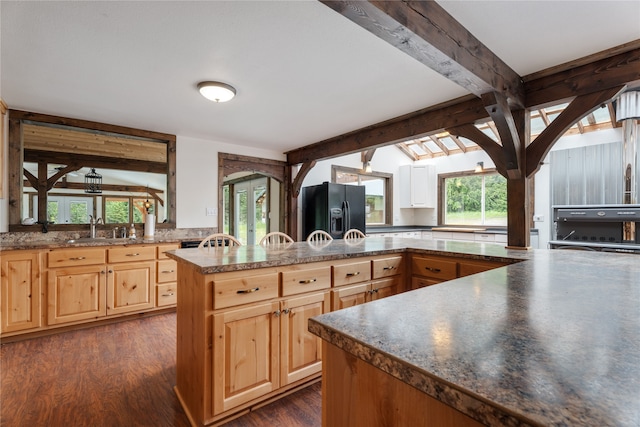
<point x="246" y="356"/>
<point x="433" y="269"/>
<point x="130" y="287"/>
<point x="166" y="277"/>
<point x="76" y="294"/>
<point x="300" y="350"/>
<point x="20" y="290"/>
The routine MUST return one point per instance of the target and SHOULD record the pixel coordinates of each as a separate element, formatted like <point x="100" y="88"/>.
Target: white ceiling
<point x="303" y="73"/>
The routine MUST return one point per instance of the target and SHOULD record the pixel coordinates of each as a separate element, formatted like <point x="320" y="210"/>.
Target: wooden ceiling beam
<point x="602" y="74"/>
<point x="440" y="144"/>
<point x="492" y="148"/>
<point x="427" y="33"/>
<point x="576" y="110"/>
<point x="410" y="126"/>
<point x="498" y="108"/>
<point x="459" y="143"/>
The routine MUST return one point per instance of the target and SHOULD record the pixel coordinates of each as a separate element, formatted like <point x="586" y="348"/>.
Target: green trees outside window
<point x="476" y="199"/>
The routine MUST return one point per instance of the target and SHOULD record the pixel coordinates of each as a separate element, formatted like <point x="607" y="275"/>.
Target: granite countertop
<point x="216" y="260"/>
<point x="553" y="340"/>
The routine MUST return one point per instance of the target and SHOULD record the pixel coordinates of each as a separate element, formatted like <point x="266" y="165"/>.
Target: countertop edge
<point x="470" y="404"/>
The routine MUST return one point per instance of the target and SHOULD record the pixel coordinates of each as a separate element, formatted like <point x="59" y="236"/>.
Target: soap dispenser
<point x="132" y="232"/>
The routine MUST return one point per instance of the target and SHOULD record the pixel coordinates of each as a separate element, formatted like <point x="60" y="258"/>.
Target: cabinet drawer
<point x="418" y="282"/>
<point x="467" y="267"/>
<point x="167" y="271"/>
<point x="164" y="248"/>
<point x="132" y="253"/>
<point x="166" y="294"/>
<point x="244" y="289"/>
<point x="355" y="272"/>
<point x="305" y="280"/>
<point x="72" y="257"/>
<point x="385" y="267"/>
<point x="436" y="268"/>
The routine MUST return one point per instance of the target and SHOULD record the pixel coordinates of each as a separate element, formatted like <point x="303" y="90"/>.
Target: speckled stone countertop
<point x="71" y="239"/>
<point x="551" y="341"/>
<point x="216" y="260"/>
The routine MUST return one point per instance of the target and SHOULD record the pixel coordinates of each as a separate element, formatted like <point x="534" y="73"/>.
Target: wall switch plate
<point x="212" y="211"/>
<point x="538" y="218"/>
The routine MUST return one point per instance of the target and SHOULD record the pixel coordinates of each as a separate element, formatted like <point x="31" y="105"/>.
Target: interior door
<point x="251" y="200"/>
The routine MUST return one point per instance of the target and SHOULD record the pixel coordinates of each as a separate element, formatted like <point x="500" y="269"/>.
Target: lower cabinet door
<point x="301" y="351"/>
<point x="76" y="293"/>
<point x="19" y="291"/>
<point x="131" y="287"/>
<point x="348" y="296"/>
<point x="245" y="354"/>
<point x="386" y="287"/>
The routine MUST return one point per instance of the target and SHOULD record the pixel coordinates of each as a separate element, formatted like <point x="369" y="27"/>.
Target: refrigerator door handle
<point x="347" y="217"/>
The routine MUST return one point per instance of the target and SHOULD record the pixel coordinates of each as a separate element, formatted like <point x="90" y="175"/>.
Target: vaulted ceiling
<point x="304" y="73"/>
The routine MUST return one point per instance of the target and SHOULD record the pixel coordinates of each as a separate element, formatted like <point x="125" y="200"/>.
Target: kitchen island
<point x="549" y="339"/>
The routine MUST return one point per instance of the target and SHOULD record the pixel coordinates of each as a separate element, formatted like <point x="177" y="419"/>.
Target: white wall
<point x="197" y="178"/>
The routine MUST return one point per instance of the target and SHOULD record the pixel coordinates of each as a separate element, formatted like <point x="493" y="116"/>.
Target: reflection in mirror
<point x="124" y="197"/>
<point x="52" y="158"/>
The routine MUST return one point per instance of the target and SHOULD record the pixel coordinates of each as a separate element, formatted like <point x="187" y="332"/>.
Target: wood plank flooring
<point x="115" y="375"/>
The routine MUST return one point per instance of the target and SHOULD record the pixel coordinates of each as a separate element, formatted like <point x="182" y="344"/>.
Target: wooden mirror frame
<point x="232" y="163"/>
<point x="16" y="157"/>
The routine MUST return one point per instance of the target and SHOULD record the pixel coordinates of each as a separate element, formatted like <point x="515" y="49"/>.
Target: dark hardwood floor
<point x="115" y="375"/>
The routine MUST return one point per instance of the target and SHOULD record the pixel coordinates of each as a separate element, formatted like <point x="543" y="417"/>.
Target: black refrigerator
<point x="334" y="208"/>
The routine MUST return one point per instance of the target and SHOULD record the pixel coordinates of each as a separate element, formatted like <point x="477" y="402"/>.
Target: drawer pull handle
<point x="167" y="271"/>
<point x="435" y="270"/>
<point x="134" y="254"/>
<point x="353" y="274"/>
<point x="248" y="291"/>
<point x="304" y="282"/>
<point x="389" y="268"/>
<point x="168" y="295"/>
<point x="79" y="258"/>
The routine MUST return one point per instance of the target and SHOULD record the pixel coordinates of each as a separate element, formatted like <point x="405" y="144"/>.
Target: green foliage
<point x="116" y="211"/>
<point x="52" y="212"/>
<point x="79" y="212"/>
<point x="464" y="199"/>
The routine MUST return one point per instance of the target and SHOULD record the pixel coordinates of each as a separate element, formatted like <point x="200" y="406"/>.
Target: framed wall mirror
<point x="63" y="171"/>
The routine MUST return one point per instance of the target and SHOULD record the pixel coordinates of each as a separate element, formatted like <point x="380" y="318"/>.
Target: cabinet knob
<point x="435" y="270"/>
<point x="248" y="291"/>
<point x="79" y="258"/>
<point x="277" y="313"/>
<point x="304" y="282"/>
<point x="353" y="274"/>
<point x="168" y="295"/>
<point x="389" y="268"/>
<point x="167" y="271"/>
<point x="133" y="254"/>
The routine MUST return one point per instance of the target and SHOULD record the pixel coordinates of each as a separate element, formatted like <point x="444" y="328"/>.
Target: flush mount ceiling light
<point x="216" y="91"/>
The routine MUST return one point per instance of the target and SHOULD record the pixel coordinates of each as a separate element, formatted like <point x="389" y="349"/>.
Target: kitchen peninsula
<point x="549" y="338"/>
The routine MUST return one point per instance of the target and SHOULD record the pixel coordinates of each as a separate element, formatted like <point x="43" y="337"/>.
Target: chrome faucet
<point x="92" y="225"/>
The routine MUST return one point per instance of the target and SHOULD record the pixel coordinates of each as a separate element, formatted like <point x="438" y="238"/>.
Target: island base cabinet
<point x="245" y="355"/>
<point x="301" y="351"/>
<point x="357" y="394"/>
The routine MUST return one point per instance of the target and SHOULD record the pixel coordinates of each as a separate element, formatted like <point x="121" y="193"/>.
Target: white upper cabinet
<point x="418" y="186"/>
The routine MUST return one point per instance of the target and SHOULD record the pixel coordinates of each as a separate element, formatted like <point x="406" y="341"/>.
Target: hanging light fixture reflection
<point x="93" y="182"/>
<point x="479" y="167"/>
<point x="147" y="203"/>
